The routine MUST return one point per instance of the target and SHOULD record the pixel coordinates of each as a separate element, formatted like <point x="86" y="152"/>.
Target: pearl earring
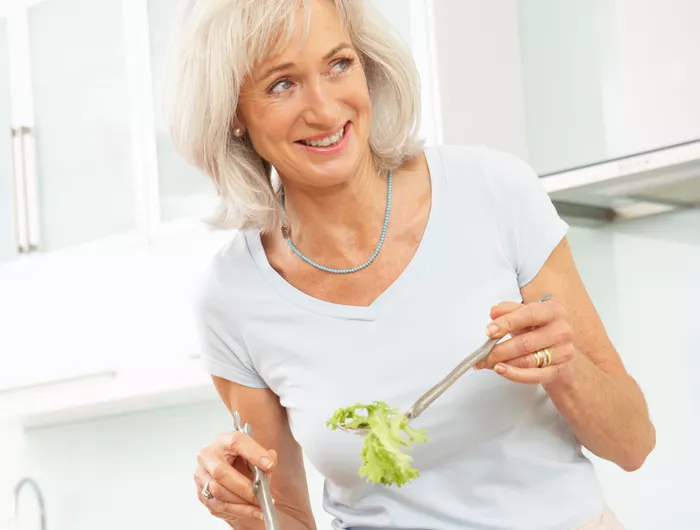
<point x="238" y="132"/>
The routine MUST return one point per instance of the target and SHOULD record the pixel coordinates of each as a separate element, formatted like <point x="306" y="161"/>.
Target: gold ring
<point x="539" y="359"/>
<point x="544" y="358"/>
<point x="547" y="358"/>
<point x="206" y="493"/>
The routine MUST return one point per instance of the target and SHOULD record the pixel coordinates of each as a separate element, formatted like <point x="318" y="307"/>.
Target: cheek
<point x="270" y="125"/>
<point x="358" y="98"/>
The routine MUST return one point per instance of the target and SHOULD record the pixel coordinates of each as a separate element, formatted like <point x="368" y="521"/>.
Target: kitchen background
<point x="102" y="401"/>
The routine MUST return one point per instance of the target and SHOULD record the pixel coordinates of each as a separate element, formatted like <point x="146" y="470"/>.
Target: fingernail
<point x="258" y="515"/>
<point x="266" y="462"/>
<point x="500" y="369"/>
<point x="492" y="329"/>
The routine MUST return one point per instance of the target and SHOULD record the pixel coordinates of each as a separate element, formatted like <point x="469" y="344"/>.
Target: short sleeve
<point x="529" y="225"/>
<point x="223" y="354"/>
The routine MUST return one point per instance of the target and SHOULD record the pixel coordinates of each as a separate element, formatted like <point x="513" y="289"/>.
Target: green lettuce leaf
<point x="384" y="460"/>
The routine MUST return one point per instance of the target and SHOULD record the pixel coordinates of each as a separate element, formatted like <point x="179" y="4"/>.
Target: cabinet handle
<point x="19" y="192"/>
<point x="26" y="197"/>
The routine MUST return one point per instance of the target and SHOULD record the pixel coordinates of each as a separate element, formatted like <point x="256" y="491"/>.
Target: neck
<point x="337" y="221"/>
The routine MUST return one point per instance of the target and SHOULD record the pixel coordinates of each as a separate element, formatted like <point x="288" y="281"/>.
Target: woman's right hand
<point x="224" y="465"/>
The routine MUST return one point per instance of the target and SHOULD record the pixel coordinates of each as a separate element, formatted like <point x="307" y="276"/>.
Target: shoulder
<point x="226" y="275"/>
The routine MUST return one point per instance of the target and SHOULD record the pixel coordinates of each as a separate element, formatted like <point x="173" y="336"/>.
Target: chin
<point x="335" y="175"/>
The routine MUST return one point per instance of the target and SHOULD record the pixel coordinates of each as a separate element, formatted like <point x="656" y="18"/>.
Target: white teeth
<point x="331" y="140"/>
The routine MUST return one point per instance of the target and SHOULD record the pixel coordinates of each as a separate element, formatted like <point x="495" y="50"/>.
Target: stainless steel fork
<point x="439" y="389"/>
<point x="261" y="482"/>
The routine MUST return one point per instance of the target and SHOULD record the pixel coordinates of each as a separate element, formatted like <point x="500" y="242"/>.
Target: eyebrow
<point x="286" y="66"/>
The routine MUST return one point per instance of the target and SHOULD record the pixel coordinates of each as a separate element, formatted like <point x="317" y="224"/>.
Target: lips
<point x="330" y="144"/>
<point x="325" y="140"/>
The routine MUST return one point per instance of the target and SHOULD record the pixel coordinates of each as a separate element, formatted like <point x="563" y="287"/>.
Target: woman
<point x="367" y="273"/>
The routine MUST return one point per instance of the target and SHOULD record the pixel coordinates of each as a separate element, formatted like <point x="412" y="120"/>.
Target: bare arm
<point x="587" y="382"/>
<point x="261" y="408"/>
<point x="600" y="401"/>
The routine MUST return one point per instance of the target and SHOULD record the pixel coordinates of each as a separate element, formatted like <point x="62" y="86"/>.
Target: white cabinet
<point x="182" y="190"/>
<point x="8" y="247"/>
<point x="94" y="156"/>
<point x="87" y="302"/>
<point x="108" y="332"/>
<point x="608" y="79"/>
<point x="80" y="100"/>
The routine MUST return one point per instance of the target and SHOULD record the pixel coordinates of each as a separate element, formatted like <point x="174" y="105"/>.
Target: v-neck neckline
<point x="400" y="285"/>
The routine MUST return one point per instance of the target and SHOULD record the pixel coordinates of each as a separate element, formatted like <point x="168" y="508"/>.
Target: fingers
<point x="273" y="457"/>
<point x="532" y="327"/>
<point x="240" y="444"/>
<point x="503" y="309"/>
<point x="531" y="376"/>
<point x="525" y="361"/>
<point x="216" y="461"/>
<point x="226" y="476"/>
<point x="225" y="504"/>
<point x="526" y="316"/>
<point x="521" y="346"/>
<point x="232" y="491"/>
<point x="221" y="492"/>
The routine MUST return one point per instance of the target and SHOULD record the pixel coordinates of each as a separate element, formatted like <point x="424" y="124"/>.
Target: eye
<point x="280" y="87"/>
<point x="342" y="65"/>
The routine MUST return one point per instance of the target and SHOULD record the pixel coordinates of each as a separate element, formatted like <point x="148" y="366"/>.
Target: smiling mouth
<point x="329" y="141"/>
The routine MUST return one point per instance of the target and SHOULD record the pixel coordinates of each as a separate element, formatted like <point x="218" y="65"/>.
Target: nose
<point x="322" y="107"/>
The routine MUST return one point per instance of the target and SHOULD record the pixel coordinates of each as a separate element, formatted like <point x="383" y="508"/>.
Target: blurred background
<point x="102" y="401"/>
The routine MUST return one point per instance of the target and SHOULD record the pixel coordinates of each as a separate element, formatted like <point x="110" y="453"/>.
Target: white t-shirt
<point x="499" y="454"/>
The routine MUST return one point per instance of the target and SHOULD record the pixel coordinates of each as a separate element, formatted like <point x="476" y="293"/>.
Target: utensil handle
<point x="264" y="495"/>
<point x="435" y="392"/>
<point x="261" y="482"/>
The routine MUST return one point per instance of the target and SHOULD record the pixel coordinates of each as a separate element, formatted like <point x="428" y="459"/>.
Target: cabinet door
<point x="8" y="245"/>
<point x="183" y="190"/>
<point x="82" y="121"/>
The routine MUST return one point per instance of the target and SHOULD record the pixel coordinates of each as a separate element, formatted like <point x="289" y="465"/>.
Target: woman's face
<point x="307" y="110"/>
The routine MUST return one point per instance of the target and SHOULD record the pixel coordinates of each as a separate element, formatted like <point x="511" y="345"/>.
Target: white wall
<point x="11" y="440"/>
<point x="643" y="278"/>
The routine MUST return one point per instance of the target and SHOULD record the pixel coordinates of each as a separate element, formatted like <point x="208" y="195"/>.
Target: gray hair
<point x="218" y="43"/>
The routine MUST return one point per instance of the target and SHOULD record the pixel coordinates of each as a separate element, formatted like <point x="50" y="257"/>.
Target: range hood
<point x="639" y="185"/>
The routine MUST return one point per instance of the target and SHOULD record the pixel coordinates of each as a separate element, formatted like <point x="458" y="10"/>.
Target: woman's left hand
<point x="533" y="327"/>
